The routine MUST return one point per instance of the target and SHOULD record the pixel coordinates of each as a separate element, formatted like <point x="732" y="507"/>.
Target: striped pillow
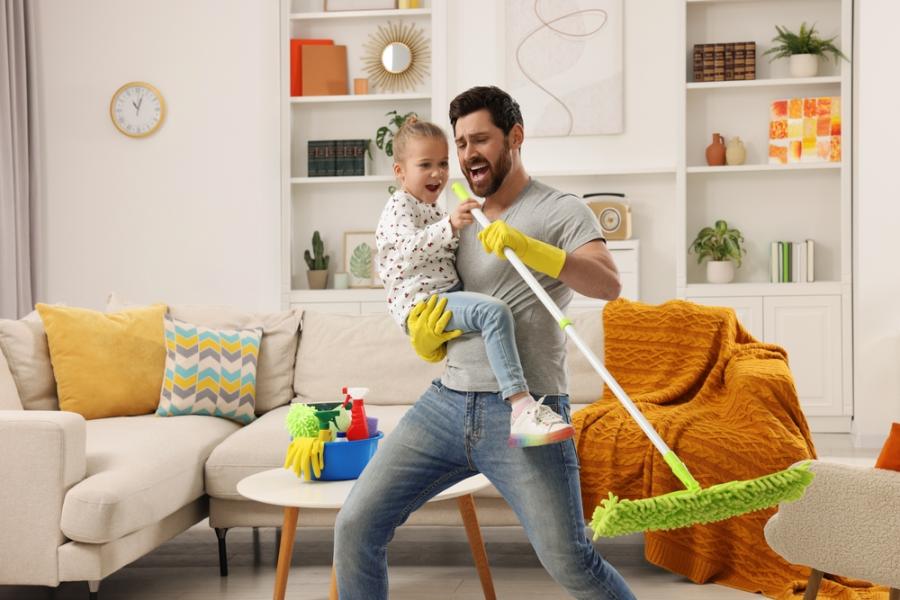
<point x="209" y="371"/>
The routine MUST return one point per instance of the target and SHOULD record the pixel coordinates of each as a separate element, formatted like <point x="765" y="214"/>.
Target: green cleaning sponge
<point x="301" y="421"/>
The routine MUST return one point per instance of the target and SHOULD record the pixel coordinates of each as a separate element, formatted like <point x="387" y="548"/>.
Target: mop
<point x="691" y="506"/>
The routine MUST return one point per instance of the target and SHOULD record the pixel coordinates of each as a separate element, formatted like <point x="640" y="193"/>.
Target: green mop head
<point x="301" y="421"/>
<point x="691" y="507"/>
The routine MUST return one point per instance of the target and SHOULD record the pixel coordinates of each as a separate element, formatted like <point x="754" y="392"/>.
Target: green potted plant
<point x="804" y="49"/>
<point x="384" y="137"/>
<point x="723" y="247"/>
<point x="317" y="263"/>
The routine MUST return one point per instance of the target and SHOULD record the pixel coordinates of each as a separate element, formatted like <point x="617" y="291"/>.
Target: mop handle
<point x="566" y="326"/>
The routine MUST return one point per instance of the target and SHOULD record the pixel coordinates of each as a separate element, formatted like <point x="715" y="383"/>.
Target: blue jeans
<point x="473" y="312"/>
<point x="445" y="437"/>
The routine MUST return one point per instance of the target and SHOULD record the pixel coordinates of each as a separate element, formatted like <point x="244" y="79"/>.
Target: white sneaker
<point x="538" y="425"/>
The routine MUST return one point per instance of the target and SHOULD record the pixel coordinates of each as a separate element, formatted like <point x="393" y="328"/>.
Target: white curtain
<point x="18" y="182"/>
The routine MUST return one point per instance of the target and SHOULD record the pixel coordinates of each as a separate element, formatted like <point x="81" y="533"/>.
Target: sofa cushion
<point x="259" y="446"/>
<point x="209" y="372"/>
<point x="139" y="470"/>
<point x="369" y="351"/>
<point x="24" y="345"/>
<point x="585" y="386"/>
<point x="341" y="350"/>
<point x="9" y="395"/>
<point x="106" y="365"/>
<point x="277" y="351"/>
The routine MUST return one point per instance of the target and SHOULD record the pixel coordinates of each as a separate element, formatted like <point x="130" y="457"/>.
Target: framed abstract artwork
<point x="805" y="130"/>
<point x="564" y="66"/>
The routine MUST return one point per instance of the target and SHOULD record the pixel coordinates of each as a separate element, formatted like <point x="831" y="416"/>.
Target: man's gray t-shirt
<point x="546" y="214"/>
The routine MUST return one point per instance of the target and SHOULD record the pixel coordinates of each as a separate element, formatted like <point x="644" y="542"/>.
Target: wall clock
<point x="137" y="109"/>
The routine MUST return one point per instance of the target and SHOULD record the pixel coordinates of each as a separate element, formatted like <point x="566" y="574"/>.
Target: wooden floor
<point x="186" y="568"/>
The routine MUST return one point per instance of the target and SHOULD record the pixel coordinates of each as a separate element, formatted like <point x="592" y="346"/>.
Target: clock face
<point x="137" y="109"/>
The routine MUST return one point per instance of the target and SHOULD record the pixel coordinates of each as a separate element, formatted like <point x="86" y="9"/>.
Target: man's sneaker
<point x="538" y="425"/>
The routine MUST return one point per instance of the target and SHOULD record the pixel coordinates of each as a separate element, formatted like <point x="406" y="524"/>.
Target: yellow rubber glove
<point x="540" y="256"/>
<point x="426" y="323"/>
<point x="305" y="456"/>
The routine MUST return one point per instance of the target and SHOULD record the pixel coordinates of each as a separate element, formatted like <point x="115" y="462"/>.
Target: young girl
<point x="417" y="241"/>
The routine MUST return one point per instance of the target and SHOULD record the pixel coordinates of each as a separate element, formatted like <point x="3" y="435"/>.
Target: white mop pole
<point x="567" y="326"/>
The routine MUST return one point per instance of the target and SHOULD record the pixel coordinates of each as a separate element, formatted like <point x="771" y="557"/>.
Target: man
<point x="460" y="426"/>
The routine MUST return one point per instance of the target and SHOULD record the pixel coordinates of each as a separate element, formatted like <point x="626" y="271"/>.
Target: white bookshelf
<point x="335" y="205"/>
<point x="363" y="98"/>
<point x="772" y="202"/>
<point x="359" y="14"/>
<point x="756" y="83"/>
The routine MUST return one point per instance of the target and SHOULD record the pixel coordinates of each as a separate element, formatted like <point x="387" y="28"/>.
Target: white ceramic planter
<point x="719" y="271"/>
<point x="804" y="65"/>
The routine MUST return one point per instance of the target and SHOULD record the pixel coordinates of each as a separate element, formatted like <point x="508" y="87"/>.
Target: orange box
<point x="324" y="70"/>
<point x="796" y="109"/>
<point x="297" y="63"/>
<point x="795" y="151"/>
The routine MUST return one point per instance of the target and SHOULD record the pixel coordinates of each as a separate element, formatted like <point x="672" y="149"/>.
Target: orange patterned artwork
<point x="805" y="130"/>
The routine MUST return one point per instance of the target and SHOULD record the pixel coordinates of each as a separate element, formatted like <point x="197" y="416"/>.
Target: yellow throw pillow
<point x="106" y="364"/>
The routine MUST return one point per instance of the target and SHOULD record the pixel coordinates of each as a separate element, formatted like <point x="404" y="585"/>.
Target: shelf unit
<point x="812" y="321"/>
<point x="334" y="205"/>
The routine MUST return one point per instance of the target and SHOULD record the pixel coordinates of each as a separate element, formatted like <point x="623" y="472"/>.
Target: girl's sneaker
<point x="538" y="425"/>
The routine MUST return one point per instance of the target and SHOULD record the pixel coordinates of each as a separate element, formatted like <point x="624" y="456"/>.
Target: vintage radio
<point x="614" y="216"/>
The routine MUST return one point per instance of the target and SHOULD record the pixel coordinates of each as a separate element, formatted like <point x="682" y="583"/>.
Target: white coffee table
<point x="281" y="487"/>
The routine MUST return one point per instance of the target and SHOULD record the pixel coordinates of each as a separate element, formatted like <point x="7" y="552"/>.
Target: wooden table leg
<point x="476" y="543"/>
<point x="288" y="532"/>
<point x="332" y="593"/>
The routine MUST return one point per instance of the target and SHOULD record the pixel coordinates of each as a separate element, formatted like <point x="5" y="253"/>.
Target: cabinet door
<point x="809" y="328"/>
<point x="749" y="310"/>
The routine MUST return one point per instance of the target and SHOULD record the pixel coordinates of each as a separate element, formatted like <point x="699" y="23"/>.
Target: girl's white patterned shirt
<point x="416" y="253"/>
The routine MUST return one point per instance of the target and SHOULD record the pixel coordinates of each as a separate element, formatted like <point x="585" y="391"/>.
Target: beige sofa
<point x="81" y="499"/>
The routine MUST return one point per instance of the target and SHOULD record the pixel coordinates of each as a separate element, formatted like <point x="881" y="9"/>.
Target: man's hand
<point x="538" y="255"/>
<point x="426" y="323"/>
<point x="461" y="216"/>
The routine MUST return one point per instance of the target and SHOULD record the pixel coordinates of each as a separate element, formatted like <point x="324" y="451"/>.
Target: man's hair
<point x="503" y="109"/>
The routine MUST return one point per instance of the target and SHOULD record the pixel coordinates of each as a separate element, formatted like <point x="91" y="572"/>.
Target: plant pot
<point x="719" y="271"/>
<point x="804" y="65"/>
<point x="317" y="279"/>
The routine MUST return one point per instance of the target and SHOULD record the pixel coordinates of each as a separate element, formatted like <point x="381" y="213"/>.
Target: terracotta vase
<point x="715" y="152"/>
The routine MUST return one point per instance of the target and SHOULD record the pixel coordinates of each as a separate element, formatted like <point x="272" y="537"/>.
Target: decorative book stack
<point x="333" y="158"/>
<point x="793" y="262"/>
<point x="724" y="61"/>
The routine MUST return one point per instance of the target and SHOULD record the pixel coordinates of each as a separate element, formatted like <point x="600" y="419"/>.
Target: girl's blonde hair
<point x="413" y="127"/>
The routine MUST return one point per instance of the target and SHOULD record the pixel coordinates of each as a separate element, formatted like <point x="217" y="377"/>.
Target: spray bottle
<point x="359" y="427"/>
<point x="326" y="417"/>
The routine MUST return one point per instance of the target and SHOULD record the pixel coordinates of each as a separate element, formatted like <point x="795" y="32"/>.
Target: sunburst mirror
<point x="396" y="57"/>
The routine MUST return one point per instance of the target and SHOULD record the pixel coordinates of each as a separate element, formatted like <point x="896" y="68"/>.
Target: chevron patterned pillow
<point x="209" y="372"/>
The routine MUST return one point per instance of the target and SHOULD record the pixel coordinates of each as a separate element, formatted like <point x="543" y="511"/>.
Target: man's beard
<point x="498" y="173"/>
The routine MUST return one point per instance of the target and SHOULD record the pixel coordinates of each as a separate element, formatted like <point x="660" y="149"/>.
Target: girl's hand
<point x="462" y="215"/>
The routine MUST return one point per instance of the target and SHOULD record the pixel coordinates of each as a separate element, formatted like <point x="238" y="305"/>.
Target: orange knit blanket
<point x="727" y="405"/>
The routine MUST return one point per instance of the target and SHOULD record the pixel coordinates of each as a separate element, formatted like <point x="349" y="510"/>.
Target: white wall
<point x="191" y="213"/>
<point x="476" y="49"/>
<point x="876" y="291"/>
